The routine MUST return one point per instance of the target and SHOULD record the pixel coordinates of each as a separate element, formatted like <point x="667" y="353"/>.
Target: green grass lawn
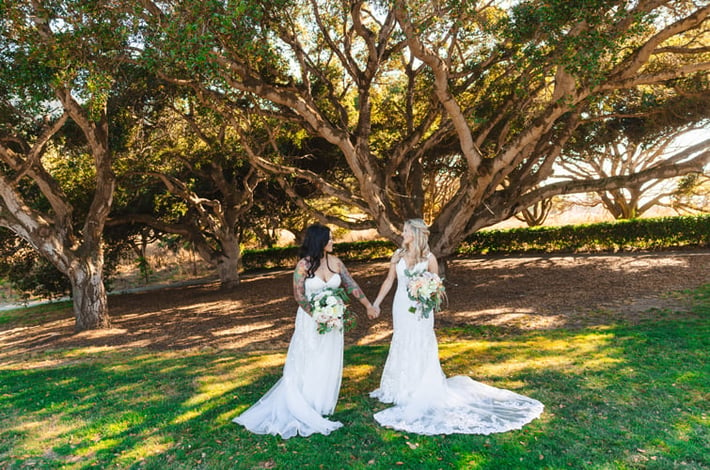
<point x="616" y="397"/>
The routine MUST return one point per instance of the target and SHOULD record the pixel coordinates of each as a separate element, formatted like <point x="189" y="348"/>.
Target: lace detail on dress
<point x="310" y="384"/>
<point x="465" y="407"/>
<point x="426" y="402"/>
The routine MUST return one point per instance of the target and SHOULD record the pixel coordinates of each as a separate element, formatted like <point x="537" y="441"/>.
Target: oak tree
<point x="410" y="91"/>
<point x="59" y="64"/>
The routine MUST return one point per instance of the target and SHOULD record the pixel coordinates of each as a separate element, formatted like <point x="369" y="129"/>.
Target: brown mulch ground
<point x="509" y="293"/>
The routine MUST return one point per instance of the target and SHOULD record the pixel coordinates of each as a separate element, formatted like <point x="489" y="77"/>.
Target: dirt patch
<point x="511" y="293"/>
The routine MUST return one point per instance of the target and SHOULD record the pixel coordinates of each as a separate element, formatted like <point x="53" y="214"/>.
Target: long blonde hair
<point x="420" y="243"/>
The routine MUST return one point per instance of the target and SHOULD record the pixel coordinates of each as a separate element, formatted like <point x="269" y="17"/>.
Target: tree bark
<point x="228" y="262"/>
<point x="502" y="118"/>
<point x="228" y="271"/>
<point x="89" y="293"/>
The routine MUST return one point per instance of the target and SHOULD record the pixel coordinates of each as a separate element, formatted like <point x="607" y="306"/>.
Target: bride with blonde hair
<point x="425" y="400"/>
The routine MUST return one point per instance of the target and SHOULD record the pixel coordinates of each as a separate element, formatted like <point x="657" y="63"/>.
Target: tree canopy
<point x="59" y="69"/>
<point x="413" y="92"/>
<point x="364" y="114"/>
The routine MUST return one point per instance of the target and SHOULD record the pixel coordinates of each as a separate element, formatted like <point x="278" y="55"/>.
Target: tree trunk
<point x="443" y="262"/>
<point x="228" y="263"/>
<point x="228" y="271"/>
<point x="89" y="294"/>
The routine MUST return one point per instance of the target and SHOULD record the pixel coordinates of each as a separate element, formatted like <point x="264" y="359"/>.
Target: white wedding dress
<point x="426" y="402"/>
<point x="310" y="383"/>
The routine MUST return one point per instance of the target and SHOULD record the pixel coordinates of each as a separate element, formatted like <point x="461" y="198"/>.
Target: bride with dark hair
<point x="308" y="389"/>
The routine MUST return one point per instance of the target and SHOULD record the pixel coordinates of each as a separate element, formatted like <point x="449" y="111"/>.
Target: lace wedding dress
<point x="310" y="383"/>
<point x="426" y="402"/>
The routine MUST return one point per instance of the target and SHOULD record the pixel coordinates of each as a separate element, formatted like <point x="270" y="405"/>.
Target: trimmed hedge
<point x="626" y="235"/>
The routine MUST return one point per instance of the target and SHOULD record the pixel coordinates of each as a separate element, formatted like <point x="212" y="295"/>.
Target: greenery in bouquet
<point x="427" y="290"/>
<point x="329" y="310"/>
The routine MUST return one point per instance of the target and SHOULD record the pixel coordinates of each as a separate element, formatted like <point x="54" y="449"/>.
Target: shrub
<point x="627" y="235"/>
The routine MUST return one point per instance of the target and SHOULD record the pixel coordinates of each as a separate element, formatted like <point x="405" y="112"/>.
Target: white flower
<point x="426" y="289"/>
<point x="329" y="310"/>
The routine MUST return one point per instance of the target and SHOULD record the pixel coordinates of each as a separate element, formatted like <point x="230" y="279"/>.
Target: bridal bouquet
<point x="329" y="310"/>
<point x="427" y="290"/>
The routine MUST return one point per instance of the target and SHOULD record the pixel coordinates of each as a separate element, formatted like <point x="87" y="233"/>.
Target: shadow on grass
<point x="616" y="397"/>
<point x="631" y="396"/>
<point x="119" y="408"/>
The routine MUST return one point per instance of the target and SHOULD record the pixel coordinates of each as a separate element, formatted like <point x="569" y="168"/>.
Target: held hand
<point x="373" y="312"/>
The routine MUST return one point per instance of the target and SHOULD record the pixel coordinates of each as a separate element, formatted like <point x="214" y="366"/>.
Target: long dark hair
<point x="317" y="237"/>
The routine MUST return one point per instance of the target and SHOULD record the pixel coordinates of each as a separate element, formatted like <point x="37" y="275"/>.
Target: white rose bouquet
<point x="427" y="290"/>
<point x="329" y="310"/>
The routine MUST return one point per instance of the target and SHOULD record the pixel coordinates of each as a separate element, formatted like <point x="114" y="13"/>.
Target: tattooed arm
<point x="299" y="285"/>
<point x="354" y="290"/>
